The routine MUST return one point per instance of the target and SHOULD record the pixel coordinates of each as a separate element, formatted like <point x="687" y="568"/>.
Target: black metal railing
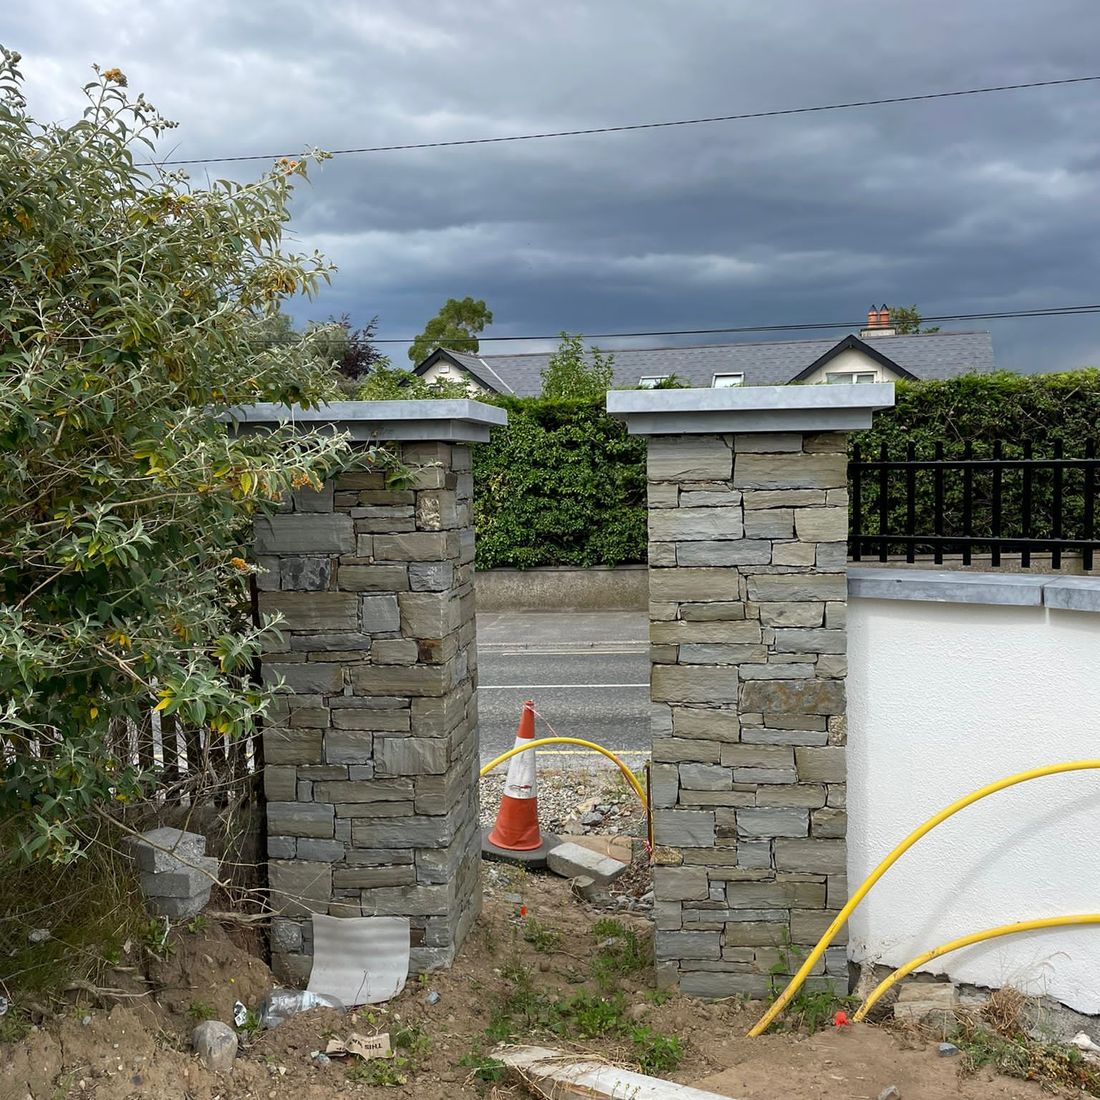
<point x="1003" y="503"/>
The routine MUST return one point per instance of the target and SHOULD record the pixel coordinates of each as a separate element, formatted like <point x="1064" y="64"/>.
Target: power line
<point x="647" y="125"/>
<point x="1051" y="311"/>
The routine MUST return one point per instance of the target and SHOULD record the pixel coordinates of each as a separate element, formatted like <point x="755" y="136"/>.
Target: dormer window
<point x="726" y="381"/>
<point x="651" y="381"/>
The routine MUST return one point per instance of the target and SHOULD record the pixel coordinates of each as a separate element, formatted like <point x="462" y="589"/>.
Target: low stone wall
<point x="563" y="588"/>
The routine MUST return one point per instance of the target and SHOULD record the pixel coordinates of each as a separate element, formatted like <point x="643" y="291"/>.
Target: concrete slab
<point x="572" y="861"/>
<point x="157" y="850"/>
<point x="613" y="847"/>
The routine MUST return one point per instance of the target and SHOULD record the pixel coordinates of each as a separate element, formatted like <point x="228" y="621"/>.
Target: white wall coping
<point x="1009" y="589"/>
<point x="750" y="409"/>
<point x="455" y="420"/>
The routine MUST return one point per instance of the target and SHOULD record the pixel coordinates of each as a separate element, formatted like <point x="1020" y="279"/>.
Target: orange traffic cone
<point x="516" y="832"/>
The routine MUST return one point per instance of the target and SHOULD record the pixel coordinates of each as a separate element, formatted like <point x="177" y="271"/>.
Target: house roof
<point x="932" y="355"/>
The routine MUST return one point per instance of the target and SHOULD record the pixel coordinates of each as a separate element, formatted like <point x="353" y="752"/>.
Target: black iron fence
<point x="1006" y="502"/>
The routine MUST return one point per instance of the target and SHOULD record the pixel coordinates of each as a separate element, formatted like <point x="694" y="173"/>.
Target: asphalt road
<point x="588" y="674"/>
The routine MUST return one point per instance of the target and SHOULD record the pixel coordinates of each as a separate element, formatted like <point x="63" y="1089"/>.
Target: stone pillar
<point x="748" y="524"/>
<point x="372" y="752"/>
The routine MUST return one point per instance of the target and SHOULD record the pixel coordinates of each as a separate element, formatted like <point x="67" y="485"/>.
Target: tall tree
<point x="573" y="372"/>
<point x="350" y="350"/>
<point x="906" y="321"/>
<point x="455" y="326"/>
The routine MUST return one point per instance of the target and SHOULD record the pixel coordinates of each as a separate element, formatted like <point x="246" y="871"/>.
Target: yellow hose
<point x="830" y="933"/>
<point x="631" y="778"/>
<point x="966" y="941"/>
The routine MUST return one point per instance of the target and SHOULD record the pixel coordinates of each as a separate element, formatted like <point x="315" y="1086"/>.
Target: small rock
<point x="319" y="1058"/>
<point x="38" y="935"/>
<point x="544" y="966"/>
<point x="85" y="1020"/>
<point x="636" y="1012"/>
<point x="431" y="997"/>
<point x="947" y="1050"/>
<point x="890" y="1093"/>
<point x="216" y="1045"/>
<point x="592" y="818"/>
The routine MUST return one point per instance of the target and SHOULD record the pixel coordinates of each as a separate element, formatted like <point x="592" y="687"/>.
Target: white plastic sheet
<point x="360" y="960"/>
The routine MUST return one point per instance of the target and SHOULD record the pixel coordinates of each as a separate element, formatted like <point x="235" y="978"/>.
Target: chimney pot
<point x="872" y="318"/>
<point x="884" y="317"/>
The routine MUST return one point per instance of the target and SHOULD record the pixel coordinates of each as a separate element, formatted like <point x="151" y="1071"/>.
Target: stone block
<point x="783" y="498"/>
<point x="695" y="524"/>
<point x="300" y="818"/>
<point x="801" y="614"/>
<point x="705" y="777"/>
<point x="689" y="458"/>
<point x="431" y="576"/>
<point x="794" y="553"/>
<point x="829" y="822"/>
<point x="757" y="756"/>
<point x="281" y="847"/>
<point x="760" y="776"/>
<point x="368" y="718"/>
<point x="693" y="684"/>
<point x="790" y="471"/>
<point x="429" y="614"/>
<point x="714" y="654"/>
<point x="417" y="546"/>
<point x="313" y="611"/>
<point x="777" y="672"/>
<point x="767" y="442"/>
<point x="305" y="574"/>
<point x="755" y="934"/>
<point x="812" y="856"/>
<point x="736" y="631"/>
<point x="308" y="499"/>
<point x="772" y="822"/>
<point x="821" y="524"/>
<point x="410" y="756"/>
<point x="369" y="878"/>
<point x="794" y="587"/>
<point x="381" y="614"/>
<point x="664" y="784"/>
<point x="394" y="651"/>
<point x="676" y="750"/>
<point x="821" y="765"/>
<point x="709" y="498"/>
<point x="163" y="849"/>
<point x="705" y="723"/>
<point x="345" y="642"/>
<point x="809" y="925"/>
<point x="292" y="746"/>
<point x="710" y="612"/>
<point x="769" y="523"/>
<point x="832" y="557"/>
<point x="744" y="551"/>
<point x="684" y="828"/>
<point x="418" y="680"/>
<point x="366" y="790"/>
<point x="797" y="795"/>
<point x="815" y="697"/>
<point x="279" y="783"/>
<point x="680" y="883"/>
<point x="304" y="534"/>
<point x="417" y="831"/>
<point x="299" y="887"/>
<point x="572" y="861"/>
<point x="754" y="854"/>
<point x="784" y="894"/>
<point x="700" y="585"/>
<point x="719" y="985"/>
<point x="321" y="851"/>
<point x="189" y="879"/>
<point x="373" y="578"/>
<point x="819" y="640"/>
<point x="314" y="678"/>
<point x="349" y="746"/>
<point x="286" y="935"/>
<point x="766" y="736"/>
<point x="687" y="945"/>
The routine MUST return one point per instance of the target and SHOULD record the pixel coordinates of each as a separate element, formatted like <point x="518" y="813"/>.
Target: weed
<point x="382" y="1072"/>
<point x="198" y="924"/>
<point x="485" y="1068"/>
<point x="251" y="1026"/>
<point x="202" y="1010"/>
<point x="622" y="951"/>
<point x="154" y="938"/>
<point x="413" y="1040"/>
<point x="543" y="939"/>
<point x="808" y="1008"/>
<point x="588" y="1016"/>
<point x="657" y="1053"/>
<point x="14" y="1026"/>
<point x="658" y="996"/>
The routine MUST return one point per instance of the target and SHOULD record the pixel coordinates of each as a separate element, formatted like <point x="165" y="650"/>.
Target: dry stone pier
<point x="371" y="754"/>
<point x="748" y="523"/>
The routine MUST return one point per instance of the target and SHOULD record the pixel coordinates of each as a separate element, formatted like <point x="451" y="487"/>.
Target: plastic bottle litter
<point x="280" y="1004"/>
<point x="431" y="997"/>
<point x="240" y="1014"/>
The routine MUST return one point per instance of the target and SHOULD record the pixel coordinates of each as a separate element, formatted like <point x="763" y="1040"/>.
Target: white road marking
<point x="551" y="687"/>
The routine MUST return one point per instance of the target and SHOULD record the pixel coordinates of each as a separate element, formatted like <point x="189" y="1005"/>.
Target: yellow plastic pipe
<point x="631" y="778"/>
<point x="795" y="983"/>
<point x="966" y="941"/>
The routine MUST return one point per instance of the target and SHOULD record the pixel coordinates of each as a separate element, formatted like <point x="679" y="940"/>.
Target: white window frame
<point x="651" y="381"/>
<point x="850" y="377"/>
<point x="717" y="382"/>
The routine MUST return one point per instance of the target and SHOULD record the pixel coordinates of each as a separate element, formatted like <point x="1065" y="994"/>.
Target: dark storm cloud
<point x="959" y="205"/>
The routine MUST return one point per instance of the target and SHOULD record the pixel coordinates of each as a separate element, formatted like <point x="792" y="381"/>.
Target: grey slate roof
<point x="933" y="355"/>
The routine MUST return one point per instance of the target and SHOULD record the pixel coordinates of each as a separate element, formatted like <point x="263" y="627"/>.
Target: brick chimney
<point x="878" y="323"/>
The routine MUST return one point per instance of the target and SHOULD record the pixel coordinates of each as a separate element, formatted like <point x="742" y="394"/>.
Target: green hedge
<point x="564" y="485"/>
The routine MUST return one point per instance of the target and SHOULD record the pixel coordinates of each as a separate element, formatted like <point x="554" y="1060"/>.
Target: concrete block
<point x="178" y="908"/>
<point x="182" y="882"/>
<point x="573" y="861"/>
<point x="162" y="849"/>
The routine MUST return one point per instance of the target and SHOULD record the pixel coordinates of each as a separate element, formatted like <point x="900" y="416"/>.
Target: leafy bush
<point x="563" y="484"/>
<point x="130" y="305"/>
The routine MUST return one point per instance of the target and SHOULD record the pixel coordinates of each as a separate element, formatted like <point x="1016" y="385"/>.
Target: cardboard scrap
<point x="361" y="1046"/>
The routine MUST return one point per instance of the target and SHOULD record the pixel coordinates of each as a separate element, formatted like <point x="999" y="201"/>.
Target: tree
<point x="386" y="383"/>
<point x="132" y="313"/>
<point x="574" y="373"/>
<point x="906" y="321"/>
<point x="350" y="349"/>
<point x="455" y="326"/>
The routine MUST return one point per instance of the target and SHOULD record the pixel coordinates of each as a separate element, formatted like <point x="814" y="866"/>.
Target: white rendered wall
<point x="942" y="699"/>
<point x="851" y="359"/>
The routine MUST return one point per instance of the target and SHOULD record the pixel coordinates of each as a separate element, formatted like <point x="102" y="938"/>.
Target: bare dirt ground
<point x="139" y="1048"/>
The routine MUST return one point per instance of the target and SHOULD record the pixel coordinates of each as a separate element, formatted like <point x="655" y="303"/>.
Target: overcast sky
<point x="961" y="205"/>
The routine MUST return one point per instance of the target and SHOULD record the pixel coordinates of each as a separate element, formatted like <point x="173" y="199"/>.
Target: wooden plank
<point x="558" y="1075"/>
